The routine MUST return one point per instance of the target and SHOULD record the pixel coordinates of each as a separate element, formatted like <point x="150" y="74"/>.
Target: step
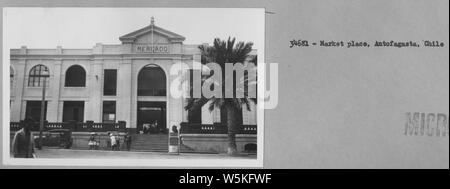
<point x="150" y="149"/>
<point x="150" y="143"/>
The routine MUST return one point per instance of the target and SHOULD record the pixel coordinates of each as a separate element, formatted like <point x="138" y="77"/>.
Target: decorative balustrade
<point x="88" y="126"/>
<point x="53" y="125"/>
<point x="15" y="126"/>
<point x="248" y="129"/>
<point x="99" y="127"/>
<point x="217" y="128"/>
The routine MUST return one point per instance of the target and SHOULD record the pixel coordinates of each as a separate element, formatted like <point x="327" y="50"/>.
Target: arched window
<point x="152" y="81"/>
<point x="75" y="77"/>
<point x="38" y="75"/>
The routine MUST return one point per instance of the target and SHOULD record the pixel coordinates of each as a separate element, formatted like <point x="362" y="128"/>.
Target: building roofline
<point x="130" y="37"/>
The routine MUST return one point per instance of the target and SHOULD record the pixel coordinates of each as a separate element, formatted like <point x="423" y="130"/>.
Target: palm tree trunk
<point x="232" y="128"/>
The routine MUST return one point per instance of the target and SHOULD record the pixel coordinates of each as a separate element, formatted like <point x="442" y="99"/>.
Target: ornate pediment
<point x="152" y="34"/>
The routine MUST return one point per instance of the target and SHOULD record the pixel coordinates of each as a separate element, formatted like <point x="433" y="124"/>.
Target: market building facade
<point x="126" y="83"/>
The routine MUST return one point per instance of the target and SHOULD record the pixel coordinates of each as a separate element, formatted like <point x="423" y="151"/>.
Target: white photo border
<point x="204" y="163"/>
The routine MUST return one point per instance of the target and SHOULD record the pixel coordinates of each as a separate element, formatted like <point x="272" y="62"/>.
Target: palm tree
<point x="222" y="53"/>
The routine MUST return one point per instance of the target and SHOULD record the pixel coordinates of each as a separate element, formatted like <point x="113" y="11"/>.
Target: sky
<point x="84" y="27"/>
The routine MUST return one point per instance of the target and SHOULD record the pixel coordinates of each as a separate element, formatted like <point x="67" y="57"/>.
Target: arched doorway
<point x="151" y="105"/>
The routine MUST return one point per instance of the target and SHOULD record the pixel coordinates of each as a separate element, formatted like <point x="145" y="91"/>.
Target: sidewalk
<point x="87" y="154"/>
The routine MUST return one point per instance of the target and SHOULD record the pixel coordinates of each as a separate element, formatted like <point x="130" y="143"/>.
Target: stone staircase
<point x="154" y="143"/>
<point x="150" y="143"/>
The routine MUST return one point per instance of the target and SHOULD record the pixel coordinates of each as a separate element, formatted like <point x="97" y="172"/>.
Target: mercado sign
<point x="145" y="48"/>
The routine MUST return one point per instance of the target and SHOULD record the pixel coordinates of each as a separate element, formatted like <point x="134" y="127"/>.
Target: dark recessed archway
<point x="151" y="81"/>
<point x="75" y="77"/>
<point x="151" y="115"/>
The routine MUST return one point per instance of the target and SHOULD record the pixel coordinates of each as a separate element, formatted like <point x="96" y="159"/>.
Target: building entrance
<point x="151" y="117"/>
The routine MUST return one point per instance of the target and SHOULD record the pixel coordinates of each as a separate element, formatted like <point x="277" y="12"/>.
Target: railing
<point x="88" y="126"/>
<point x="99" y="127"/>
<point x="14" y="126"/>
<point x="216" y="128"/>
<point x="53" y="125"/>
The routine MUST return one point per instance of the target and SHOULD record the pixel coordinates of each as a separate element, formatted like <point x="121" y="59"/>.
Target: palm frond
<point x="222" y="52"/>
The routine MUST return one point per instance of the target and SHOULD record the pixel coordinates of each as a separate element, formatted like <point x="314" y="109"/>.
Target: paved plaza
<point x="86" y="154"/>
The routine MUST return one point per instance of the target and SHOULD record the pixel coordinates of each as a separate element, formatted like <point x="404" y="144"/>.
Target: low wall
<point x="80" y="139"/>
<point x="216" y="142"/>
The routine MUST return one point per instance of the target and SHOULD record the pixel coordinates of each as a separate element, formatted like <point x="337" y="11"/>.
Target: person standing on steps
<point x="118" y="142"/>
<point x="127" y="141"/>
<point x="113" y="141"/>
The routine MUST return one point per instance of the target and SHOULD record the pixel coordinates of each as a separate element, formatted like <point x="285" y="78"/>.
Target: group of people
<point x="22" y="145"/>
<point x="114" y="141"/>
<point x="150" y="128"/>
<point x="93" y="142"/>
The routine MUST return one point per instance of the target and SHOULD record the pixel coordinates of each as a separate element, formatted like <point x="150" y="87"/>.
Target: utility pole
<point x="41" y="122"/>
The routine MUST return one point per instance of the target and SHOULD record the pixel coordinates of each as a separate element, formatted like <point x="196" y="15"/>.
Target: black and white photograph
<point x="133" y="86"/>
<point x="198" y="93"/>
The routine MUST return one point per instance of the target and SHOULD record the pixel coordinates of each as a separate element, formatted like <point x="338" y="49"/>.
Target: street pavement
<point x="87" y="154"/>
